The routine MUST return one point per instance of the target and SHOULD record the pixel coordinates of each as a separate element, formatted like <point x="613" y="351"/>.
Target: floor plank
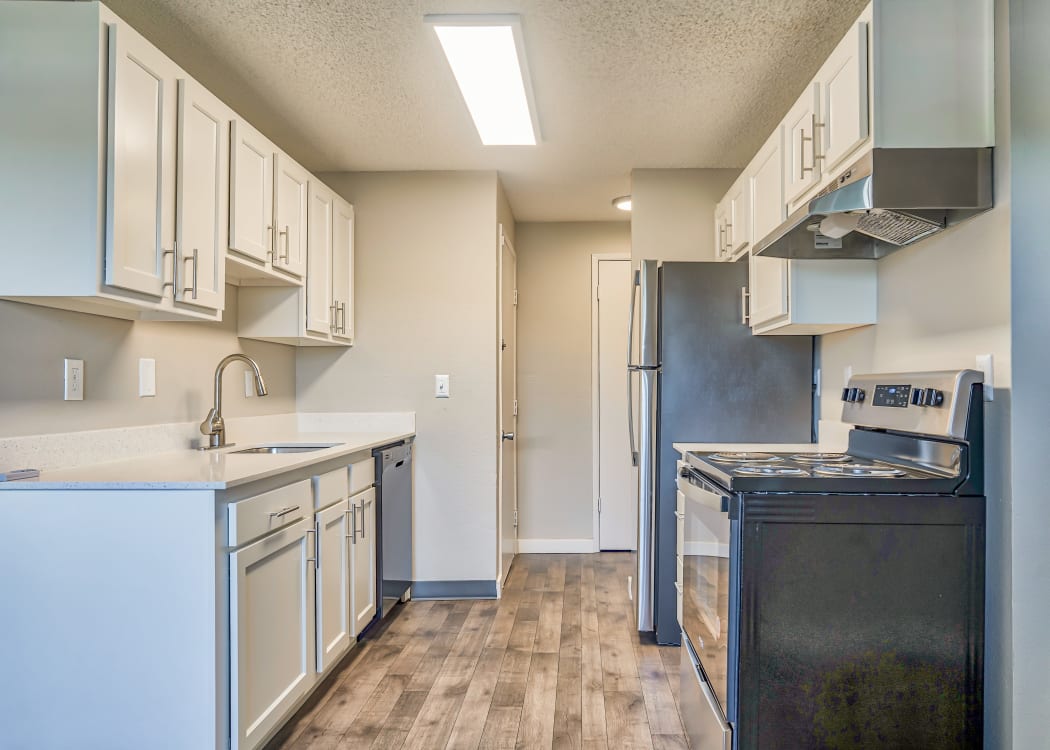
<point x="555" y="663"/>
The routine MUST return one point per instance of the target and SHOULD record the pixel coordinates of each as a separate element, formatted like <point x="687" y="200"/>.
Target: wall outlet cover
<point x="986" y="364"/>
<point x="442" y="387"/>
<point x="74" y="380"/>
<point x="147" y="377"/>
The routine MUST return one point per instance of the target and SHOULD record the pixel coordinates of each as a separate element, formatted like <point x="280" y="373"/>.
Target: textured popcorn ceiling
<point x="359" y="85"/>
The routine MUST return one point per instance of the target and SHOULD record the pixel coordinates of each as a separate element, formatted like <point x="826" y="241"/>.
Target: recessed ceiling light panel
<point x="487" y="58"/>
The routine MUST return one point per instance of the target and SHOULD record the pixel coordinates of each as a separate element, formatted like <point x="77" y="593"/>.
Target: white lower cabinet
<point x="271" y="631"/>
<point x="335" y="631"/>
<point x="363" y="508"/>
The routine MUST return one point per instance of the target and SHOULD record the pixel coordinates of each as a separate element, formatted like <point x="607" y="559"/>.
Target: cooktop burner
<point x="770" y="471"/>
<point x="819" y="458"/>
<point x="856" y="470"/>
<point x="734" y="457"/>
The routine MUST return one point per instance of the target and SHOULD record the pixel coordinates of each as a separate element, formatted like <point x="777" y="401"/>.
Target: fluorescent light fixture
<point x="623" y="203"/>
<point x="487" y="57"/>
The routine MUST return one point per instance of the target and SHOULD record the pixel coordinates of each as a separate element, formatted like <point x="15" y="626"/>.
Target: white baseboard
<point x="555" y="546"/>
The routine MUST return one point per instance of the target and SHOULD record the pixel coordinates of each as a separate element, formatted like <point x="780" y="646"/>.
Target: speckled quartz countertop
<point x="205" y="470"/>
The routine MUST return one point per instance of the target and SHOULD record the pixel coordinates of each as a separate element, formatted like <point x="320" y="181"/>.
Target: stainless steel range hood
<point x="888" y="199"/>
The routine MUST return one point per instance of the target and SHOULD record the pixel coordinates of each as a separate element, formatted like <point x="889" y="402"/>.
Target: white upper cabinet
<point x="343" y="271"/>
<point x="320" y="314"/>
<point x="811" y="297"/>
<point x="201" y="179"/>
<point x="251" y="193"/>
<point x="133" y="152"/>
<point x="843" y="82"/>
<point x="290" y="201"/>
<point x="766" y="173"/>
<point x="721" y="230"/>
<point x="801" y="159"/>
<point x="140" y="179"/>
<point x="738" y="228"/>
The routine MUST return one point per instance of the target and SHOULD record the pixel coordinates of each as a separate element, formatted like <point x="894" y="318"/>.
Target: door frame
<point x="596" y="258"/>
<point x="504" y="241"/>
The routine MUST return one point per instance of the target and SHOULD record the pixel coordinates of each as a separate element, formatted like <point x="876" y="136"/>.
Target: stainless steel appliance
<point x="888" y="199"/>
<point x="837" y="600"/>
<point x="701" y="377"/>
<point x="393" y="524"/>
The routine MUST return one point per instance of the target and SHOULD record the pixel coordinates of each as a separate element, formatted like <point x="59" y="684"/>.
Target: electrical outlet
<point x="147" y="378"/>
<point x="986" y="364"/>
<point x="74" y="379"/>
<point x="442" y="386"/>
<point x="249" y="384"/>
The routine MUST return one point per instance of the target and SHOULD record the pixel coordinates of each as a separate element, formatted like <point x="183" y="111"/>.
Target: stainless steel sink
<point x="289" y="448"/>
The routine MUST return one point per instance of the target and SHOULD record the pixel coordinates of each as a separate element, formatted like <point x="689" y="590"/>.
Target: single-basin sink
<point x="288" y="448"/>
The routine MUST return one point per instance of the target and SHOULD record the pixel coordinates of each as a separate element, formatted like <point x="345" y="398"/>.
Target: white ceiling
<point x="362" y="85"/>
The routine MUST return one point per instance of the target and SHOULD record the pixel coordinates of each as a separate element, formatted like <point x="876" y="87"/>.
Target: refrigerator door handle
<point x="630" y="370"/>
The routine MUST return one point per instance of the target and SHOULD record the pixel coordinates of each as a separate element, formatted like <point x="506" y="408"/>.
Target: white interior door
<point x="508" y="413"/>
<point x="617" y="478"/>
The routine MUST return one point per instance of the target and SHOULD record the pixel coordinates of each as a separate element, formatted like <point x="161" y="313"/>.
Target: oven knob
<point x="852" y="397"/>
<point x="916" y="396"/>
<point x="860" y="394"/>
<point x="845" y="394"/>
<point x="934" y="397"/>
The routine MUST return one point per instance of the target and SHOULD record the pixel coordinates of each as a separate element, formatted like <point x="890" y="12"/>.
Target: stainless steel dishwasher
<point x="394" y="523"/>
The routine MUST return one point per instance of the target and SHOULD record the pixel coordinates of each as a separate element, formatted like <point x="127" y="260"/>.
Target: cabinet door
<point x="768" y="285"/>
<point x="738" y="226"/>
<point x="201" y="175"/>
<point x="364" y="544"/>
<point x="334" y="585"/>
<point x="291" y="195"/>
<point x="140" y="197"/>
<point x="720" y="230"/>
<point x="801" y="167"/>
<point x="251" y="193"/>
<point x="271" y="630"/>
<point x="343" y="270"/>
<point x="844" y="97"/>
<point x="319" y="314"/>
<point x="767" y="187"/>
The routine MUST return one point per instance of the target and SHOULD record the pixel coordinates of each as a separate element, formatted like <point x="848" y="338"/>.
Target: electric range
<point x="837" y="599"/>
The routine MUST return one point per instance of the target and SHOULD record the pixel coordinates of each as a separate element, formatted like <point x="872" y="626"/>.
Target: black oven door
<point x="708" y="581"/>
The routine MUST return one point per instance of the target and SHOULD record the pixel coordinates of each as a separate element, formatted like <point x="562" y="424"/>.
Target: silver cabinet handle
<point x="342" y="317"/>
<point x="333" y="310"/>
<point x="353" y="520"/>
<point x="287" y="245"/>
<point x="508" y="435"/>
<point x="346" y="516"/>
<point x="195" y="258"/>
<point x="314" y="558"/>
<point x="721" y="240"/>
<point x="745" y="313"/>
<point x="814" y="126"/>
<point x="362" y="508"/>
<point x="174" y="253"/>
<point x="729" y="238"/>
<point x="802" y="168"/>
<point x="284" y="511"/>
<point x="678" y="515"/>
<point x="635" y="284"/>
<point x="270" y="241"/>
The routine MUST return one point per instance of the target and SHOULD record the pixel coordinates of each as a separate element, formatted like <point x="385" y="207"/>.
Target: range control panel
<point x="930" y="403"/>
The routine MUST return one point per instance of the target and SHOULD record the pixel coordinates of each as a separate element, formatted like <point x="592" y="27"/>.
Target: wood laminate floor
<point x="555" y="663"/>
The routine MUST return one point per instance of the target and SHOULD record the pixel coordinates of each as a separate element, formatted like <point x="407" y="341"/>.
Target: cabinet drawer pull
<point x="195" y="259"/>
<point x="745" y="314"/>
<point x="729" y="238"/>
<point x="342" y="317"/>
<point x="353" y="521"/>
<point x="333" y="311"/>
<point x="362" y="507"/>
<point x="814" y="126"/>
<point x="283" y="511"/>
<point x="174" y="253"/>
<point x="349" y="522"/>
<point x="287" y="245"/>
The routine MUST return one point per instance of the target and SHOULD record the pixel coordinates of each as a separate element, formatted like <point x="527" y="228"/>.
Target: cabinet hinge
<point x="503" y="345"/>
<point x="515" y="407"/>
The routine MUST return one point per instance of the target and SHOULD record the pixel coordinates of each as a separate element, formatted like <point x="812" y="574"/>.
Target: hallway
<point x="555" y="663"/>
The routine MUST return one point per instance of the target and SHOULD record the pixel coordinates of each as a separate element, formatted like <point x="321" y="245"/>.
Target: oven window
<point x="705" y="589"/>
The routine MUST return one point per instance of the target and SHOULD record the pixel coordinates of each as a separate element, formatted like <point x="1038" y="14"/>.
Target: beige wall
<point x="941" y="303"/>
<point x="672" y="212"/>
<point x="425" y="280"/>
<point x="555" y="495"/>
<point x="36" y="339"/>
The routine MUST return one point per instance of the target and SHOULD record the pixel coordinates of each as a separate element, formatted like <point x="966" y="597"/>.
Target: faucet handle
<point x="212" y="424"/>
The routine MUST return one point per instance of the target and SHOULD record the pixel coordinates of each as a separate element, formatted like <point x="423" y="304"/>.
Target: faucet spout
<point x="213" y="426"/>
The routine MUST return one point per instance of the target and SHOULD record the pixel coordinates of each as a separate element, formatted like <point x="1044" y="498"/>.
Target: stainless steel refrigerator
<point x="702" y="378"/>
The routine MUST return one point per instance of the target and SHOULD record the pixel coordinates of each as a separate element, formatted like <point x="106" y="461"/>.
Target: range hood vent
<point x="890" y="198"/>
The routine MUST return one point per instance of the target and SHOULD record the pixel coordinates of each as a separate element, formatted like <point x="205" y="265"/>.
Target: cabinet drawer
<point x="362" y="475"/>
<point x="330" y="488"/>
<point x="269" y="511"/>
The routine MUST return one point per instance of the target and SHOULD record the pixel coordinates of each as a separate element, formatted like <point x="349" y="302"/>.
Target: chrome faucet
<point x="213" y="426"/>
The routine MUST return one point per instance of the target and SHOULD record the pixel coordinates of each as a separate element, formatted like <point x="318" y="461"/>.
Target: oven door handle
<point x="712" y="495"/>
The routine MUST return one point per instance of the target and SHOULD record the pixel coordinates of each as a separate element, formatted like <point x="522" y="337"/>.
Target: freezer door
<point x="704" y="725"/>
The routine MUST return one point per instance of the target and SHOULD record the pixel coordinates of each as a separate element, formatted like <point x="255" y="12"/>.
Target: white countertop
<point x="205" y="470"/>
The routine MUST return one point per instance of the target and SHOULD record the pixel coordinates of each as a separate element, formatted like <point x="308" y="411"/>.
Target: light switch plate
<point x="74" y="380"/>
<point x="147" y="377"/>
<point x="442" y="387"/>
<point x="986" y="364"/>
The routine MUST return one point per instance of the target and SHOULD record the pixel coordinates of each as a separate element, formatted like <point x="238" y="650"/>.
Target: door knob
<point x="508" y="435"/>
